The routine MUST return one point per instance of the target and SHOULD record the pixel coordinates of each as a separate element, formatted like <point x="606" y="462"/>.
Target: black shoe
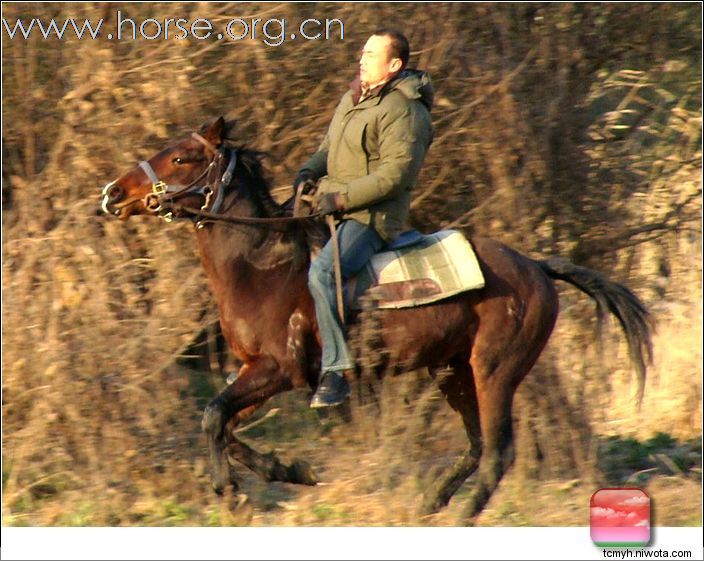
<point x="332" y="390"/>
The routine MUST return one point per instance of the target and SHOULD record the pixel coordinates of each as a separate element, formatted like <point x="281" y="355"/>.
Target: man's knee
<point x="318" y="274"/>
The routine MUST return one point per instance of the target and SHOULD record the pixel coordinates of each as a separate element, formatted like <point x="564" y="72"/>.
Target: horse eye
<point x="178" y="161"/>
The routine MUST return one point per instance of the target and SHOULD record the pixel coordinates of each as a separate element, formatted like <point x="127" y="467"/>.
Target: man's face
<point x="375" y="64"/>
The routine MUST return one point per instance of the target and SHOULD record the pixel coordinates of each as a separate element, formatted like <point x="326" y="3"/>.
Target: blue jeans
<point x="357" y="245"/>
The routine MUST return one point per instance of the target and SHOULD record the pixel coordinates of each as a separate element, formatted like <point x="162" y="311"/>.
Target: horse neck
<point x="238" y="258"/>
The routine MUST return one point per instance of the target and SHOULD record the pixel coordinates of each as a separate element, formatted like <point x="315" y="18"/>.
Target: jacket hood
<point x="415" y="84"/>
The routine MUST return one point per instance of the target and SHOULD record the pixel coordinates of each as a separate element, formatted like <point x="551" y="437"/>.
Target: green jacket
<point x="373" y="151"/>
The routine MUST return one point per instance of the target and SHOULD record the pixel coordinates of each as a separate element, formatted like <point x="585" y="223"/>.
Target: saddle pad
<point x="439" y="266"/>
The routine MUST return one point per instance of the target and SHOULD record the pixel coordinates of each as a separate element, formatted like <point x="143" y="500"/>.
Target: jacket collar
<point x="356" y="87"/>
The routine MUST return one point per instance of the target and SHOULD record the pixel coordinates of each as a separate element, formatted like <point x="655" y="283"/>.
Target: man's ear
<point x="396" y="65"/>
<point x="213" y="132"/>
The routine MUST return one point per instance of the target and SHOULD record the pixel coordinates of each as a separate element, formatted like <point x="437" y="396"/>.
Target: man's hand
<point x="307" y="178"/>
<point x="330" y="203"/>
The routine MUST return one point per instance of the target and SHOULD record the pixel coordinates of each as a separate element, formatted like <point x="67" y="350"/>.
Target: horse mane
<point x="256" y="187"/>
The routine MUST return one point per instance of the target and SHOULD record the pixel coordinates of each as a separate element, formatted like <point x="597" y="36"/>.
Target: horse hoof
<point x="431" y="504"/>
<point x="428" y="507"/>
<point x="219" y="473"/>
<point x="241" y="511"/>
<point x="301" y="472"/>
<point x="217" y="486"/>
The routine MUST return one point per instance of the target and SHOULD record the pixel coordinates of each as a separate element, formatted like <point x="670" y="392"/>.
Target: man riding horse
<point x="366" y="165"/>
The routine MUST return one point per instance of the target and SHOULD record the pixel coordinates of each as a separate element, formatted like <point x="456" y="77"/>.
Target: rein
<point x="215" y="217"/>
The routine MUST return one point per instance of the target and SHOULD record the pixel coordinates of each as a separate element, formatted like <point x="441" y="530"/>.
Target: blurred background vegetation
<point x="571" y="129"/>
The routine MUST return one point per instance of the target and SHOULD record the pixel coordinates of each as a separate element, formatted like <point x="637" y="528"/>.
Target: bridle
<point x="163" y="197"/>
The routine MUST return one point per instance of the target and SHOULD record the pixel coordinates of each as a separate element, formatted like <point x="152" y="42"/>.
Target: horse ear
<point x="213" y="131"/>
<point x="229" y="129"/>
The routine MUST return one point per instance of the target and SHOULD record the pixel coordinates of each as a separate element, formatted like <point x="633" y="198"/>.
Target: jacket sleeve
<point x="404" y="138"/>
<point x="318" y="162"/>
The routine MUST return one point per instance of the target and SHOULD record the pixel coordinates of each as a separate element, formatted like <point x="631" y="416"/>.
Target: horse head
<point x="190" y="171"/>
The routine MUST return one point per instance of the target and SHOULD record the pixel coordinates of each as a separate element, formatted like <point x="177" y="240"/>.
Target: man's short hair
<point x="398" y="47"/>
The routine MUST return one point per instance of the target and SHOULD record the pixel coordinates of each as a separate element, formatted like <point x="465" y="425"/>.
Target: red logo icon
<point x="620" y="517"/>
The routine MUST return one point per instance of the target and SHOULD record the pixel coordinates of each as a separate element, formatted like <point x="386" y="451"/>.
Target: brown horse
<point x="490" y="338"/>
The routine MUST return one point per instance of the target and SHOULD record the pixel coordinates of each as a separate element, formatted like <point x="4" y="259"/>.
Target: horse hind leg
<point x="495" y="390"/>
<point x="497" y="440"/>
<point x="460" y="392"/>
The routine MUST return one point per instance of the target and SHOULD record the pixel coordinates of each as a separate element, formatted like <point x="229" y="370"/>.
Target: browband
<point x="209" y="145"/>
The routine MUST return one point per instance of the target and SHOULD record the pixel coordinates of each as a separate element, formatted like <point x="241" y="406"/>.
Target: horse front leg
<point x="258" y="381"/>
<point x="214" y="428"/>
<point x="269" y="466"/>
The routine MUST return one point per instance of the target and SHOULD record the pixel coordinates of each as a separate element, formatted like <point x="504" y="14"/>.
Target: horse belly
<point x="429" y="335"/>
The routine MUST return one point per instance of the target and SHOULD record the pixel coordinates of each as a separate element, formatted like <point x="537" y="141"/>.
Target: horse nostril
<point x="114" y="193"/>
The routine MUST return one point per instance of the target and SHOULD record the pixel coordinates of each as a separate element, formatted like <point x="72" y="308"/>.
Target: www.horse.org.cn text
<point x="270" y="31"/>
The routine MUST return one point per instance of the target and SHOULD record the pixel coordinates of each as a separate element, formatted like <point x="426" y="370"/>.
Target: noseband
<point x="163" y="195"/>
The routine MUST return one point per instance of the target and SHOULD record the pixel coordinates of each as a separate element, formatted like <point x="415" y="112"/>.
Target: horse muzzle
<point x="115" y="202"/>
<point x="112" y="193"/>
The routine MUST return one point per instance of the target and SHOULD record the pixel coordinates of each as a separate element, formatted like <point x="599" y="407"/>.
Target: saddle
<point x="416" y="269"/>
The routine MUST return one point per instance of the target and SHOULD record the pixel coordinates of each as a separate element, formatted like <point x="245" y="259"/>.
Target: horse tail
<point x="634" y="317"/>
